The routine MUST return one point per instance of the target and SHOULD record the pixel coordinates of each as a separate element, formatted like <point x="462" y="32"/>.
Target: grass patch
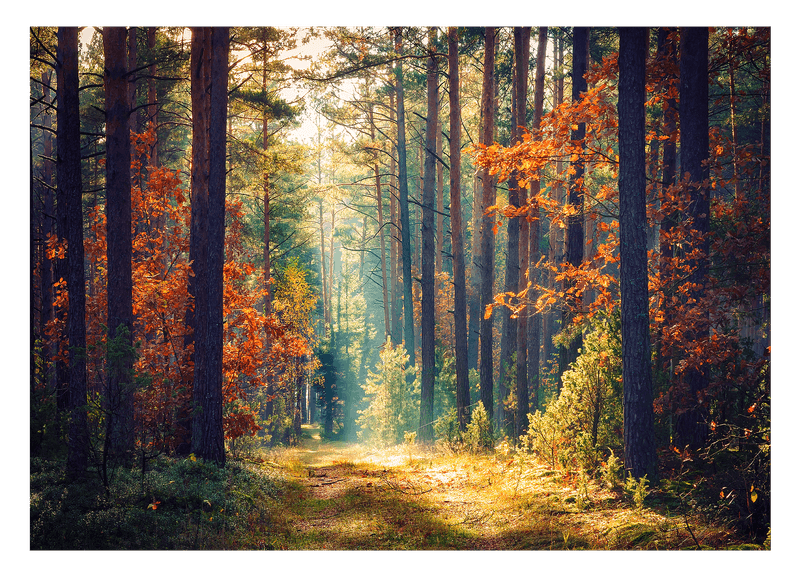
<point x="331" y="495"/>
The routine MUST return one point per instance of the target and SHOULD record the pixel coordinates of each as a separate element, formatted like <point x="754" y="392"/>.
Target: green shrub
<point x="392" y="405"/>
<point x="480" y="434"/>
<point x="448" y="432"/>
<point x="587" y="413"/>
<point x="178" y="504"/>
<point x="637" y="490"/>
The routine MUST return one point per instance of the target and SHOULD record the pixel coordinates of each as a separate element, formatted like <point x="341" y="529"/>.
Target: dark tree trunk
<point x="394" y="239"/>
<point x="152" y="98"/>
<point x="639" y="436"/>
<point x="428" y="330"/>
<point x="474" y="302"/>
<point x="69" y="190"/>
<point x="486" y="233"/>
<point x="509" y="326"/>
<point x="522" y="37"/>
<point x="457" y="237"/>
<point x="198" y="236"/>
<point x="213" y="443"/>
<point x="379" y="202"/>
<point x="668" y="53"/>
<point x="47" y="211"/>
<point x="574" y="248"/>
<point x="534" y="329"/>
<point x="408" y="300"/>
<point x="120" y="251"/>
<point x="691" y="428"/>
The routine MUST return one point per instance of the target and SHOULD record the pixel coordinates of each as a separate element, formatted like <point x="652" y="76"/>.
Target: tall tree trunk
<point x="152" y="98"/>
<point x="46" y="279"/>
<point x="323" y="271"/>
<point x="691" y="428"/>
<point x="379" y="201"/>
<point x="198" y="236"/>
<point x="408" y="300"/>
<point x="266" y="188"/>
<point x="119" y="237"/>
<point x="574" y="249"/>
<point x="439" y="199"/>
<point x="394" y="239"/>
<point x="428" y="330"/>
<point x="552" y="318"/>
<point x="668" y="52"/>
<point x="210" y="444"/>
<point x="457" y="237"/>
<point x="639" y="435"/>
<point x="486" y="233"/>
<point x="535" y="322"/>
<point x="474" y="303"/>
<point x="70" y="192"/>
<point x="522" y="56"/>
<point x="516" y="198"/>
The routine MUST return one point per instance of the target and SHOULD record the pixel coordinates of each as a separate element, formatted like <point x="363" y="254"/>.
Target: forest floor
<point x="351" y="497"/>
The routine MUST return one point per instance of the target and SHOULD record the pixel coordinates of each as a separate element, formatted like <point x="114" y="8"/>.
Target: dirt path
<point x="352" y="497"/>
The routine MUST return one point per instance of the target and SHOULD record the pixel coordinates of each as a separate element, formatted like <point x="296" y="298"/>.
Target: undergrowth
<point x="177" y="504"/>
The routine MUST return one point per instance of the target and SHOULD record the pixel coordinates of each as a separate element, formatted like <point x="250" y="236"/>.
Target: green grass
<point x="331" y="495"/>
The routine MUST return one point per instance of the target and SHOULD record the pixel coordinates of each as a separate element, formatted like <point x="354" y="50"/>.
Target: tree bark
<point x="68" y="166"/>
<point x="486" y="233"/>
<point x="213" y="441"/>
<point x="428" y="329"/>
<point x="535" y="322"/>
<point x="691" y="429"/>
<point x="639" y="436"/>
<point x="379" y="201"/>
<point x="394" y="239"/>
<point x="575" y="240"/>
<point x="408" y="300"/>
<point x="517" y="197"/>
<point x="457" y="237"/>
<point x="119" y="238"/>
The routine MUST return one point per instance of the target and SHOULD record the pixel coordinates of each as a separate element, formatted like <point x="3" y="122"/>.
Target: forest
<point x="400" y="288"/>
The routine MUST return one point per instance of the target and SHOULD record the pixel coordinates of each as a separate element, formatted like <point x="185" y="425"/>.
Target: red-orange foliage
<point x="161" y="217"/>
<point x="739" y="244"/>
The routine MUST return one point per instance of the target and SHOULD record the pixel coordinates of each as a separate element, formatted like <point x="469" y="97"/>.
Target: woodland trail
<point x="351" y="497"/>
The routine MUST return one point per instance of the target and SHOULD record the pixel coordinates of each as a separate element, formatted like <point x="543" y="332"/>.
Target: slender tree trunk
<point x="266" y="177"/>
<point x="575" y="238"/>
<point x="330" y="268"/>
<point x="119" y="237"/>
<point x="211" y="444"/>
<point x="474" y="304"/>
<point x="486" y="233"/>
<point x="439" y="199"/>
<point x="639" y="436"/>
<point x="534" y="329"/>
<point x="379" y="201"/>
<point x="522" y="57"/>
<point x="456" y="231"/>
<point x="394" y="239"/>
<point x="70" y="193"/>
<point x="198" y="236"/>
<point x="323" y="271"/>
<point x="152" y="97"/>
<point x="734" y="137"/>
<point x="428" y="332"/>
<point x="408" y="300"/>
<point x="510" y="326"/>
<point x="667" y="51"/>
<point x="46" y="279"/>
<point x="691" y="428"/>
<point x="552" y="318"/>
